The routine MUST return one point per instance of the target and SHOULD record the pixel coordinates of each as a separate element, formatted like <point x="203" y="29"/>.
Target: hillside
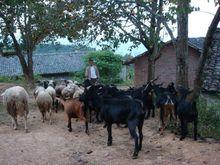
<point x="48" y="48"/>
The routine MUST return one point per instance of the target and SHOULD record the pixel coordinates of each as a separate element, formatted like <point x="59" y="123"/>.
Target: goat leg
<point x="183" y="129"/>
<point x="153" y="111"/>
<point x="140" y="126"/>
<point x="43" y="118"/>
<point x="97" y="117"/>
<point x="14" y="123"/>
<point x="195" y="129"/>
<point x="134" y="135"/>
<point x="69" y="124"/>
<point x="87" y="127"/>
<point x="90" y="115"/>
<point x="148" y="113"/>
<point x="25" y="123"/>
<point x="50" y="113"/>
<point x="109" y="129"/>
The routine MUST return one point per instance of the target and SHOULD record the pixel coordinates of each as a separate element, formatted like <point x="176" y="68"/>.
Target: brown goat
<point x="166" y="110"/>
<point x="74" y="109"/>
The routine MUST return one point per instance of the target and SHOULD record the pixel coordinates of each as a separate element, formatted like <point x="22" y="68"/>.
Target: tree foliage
<point x="26" y="23"/>
<point x="137" y="21"/>
<point x="121" y="21"/>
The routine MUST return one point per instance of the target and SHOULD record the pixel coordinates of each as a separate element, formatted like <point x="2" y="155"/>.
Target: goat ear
<point x="190" y="91"/>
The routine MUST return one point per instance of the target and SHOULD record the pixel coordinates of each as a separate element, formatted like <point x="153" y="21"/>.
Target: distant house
<point x="166" y="64"/>
<point x="47" y="65"/>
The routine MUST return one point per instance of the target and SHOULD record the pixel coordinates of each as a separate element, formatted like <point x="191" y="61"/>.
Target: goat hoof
<point x="15" y="128"/>
<point x="195" y="139"/>
<point x="87" y="132"/>
<point x="109" y="143"/>
<point x="26" y="131"/>
<point x="147" y="117"/>
<point x="140" y="148"/>
<point x="135" y="156"/>
<point x="70" y="129"/>
<point x="181" y="138"/>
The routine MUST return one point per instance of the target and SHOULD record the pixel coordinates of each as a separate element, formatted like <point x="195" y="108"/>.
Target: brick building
<point x="165" y="66"/>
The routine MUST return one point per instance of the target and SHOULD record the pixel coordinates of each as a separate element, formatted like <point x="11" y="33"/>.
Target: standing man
<point x="92" y="73"/>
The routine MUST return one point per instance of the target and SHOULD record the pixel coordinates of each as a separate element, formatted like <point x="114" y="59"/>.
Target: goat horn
<point x="154" y="79"/>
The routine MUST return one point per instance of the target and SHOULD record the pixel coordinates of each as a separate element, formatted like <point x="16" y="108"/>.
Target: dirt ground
<point x="53" y="144"/>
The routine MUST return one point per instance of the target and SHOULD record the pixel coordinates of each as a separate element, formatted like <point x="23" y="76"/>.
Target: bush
<point x="209" y="118"/>
<point x="78" y="76"/>
<point x="108" y="64"/>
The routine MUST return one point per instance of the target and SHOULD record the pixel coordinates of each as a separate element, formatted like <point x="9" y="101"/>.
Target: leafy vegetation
<point x="108" y="64"/>
<point x="17" y="79"/>
<point x="209" y="117"/>
<point x="35" y="22"/>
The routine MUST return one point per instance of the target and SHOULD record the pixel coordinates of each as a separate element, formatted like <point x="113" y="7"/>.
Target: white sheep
<point x="16" y="101"/>
<point x="52" y="92"/>
<point x="44" y="103"/>
<point x="37" y="90"/>
<point x="79" y="91"/>
<point x="71" y="91"/>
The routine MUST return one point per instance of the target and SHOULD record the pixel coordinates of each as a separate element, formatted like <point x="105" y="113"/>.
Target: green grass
<point x="19" y="80"/>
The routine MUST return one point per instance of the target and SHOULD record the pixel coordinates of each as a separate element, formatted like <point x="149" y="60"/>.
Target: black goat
<point x="147" y="99"/>
<point x="91" y="99"/>
<point x="187" y="112"/>
<point x="124" y="111"/>
<point x="116" y="107"/>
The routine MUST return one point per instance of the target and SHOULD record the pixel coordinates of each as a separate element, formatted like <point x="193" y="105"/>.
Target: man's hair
<point x="90" y="59"/>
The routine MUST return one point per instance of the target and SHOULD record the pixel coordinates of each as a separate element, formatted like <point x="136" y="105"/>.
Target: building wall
<point x="165" y="66"/>
<point x="140" y="71"/>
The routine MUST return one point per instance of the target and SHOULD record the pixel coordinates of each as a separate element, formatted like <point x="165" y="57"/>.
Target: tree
<point x="122" y="21"/>
<point x="26" y="23"/>
<point x="182" y="43"/>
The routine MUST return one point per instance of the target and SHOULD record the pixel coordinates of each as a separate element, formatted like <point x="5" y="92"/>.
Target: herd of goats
<point x="109" y="104"/>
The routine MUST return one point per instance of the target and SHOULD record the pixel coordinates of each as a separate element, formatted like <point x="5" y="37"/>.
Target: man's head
<point x="90" y="62"/>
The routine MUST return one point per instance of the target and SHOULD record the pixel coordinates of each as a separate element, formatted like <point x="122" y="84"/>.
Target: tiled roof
<point x="196" y="43"/>
<point x="44" y="63"/>
<point x="212" y="68"/>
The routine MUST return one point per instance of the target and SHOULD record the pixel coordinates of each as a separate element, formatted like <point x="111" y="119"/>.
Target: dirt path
<point x="53" y="144"/>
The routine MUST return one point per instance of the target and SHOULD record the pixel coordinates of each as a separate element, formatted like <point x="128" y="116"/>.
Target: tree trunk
<point x="182" y="43"/>
<point x="151" y="54"/>
<point x="205" y="55"/>
<point x="151" y="69"/>
<point x="27" y="66"/>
